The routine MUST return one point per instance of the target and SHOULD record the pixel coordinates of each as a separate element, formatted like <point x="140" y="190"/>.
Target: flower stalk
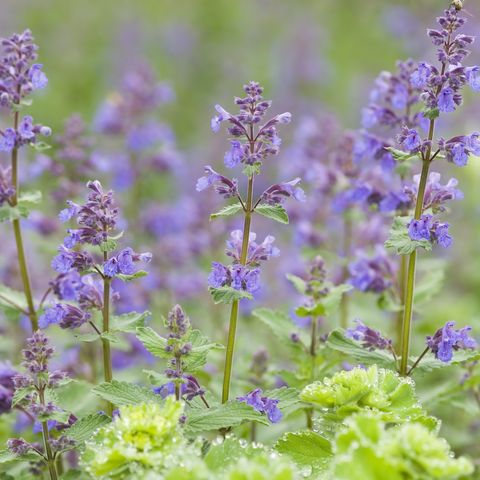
<point x="107" y="356"/>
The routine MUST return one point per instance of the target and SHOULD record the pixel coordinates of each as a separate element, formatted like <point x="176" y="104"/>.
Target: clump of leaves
<point x="406" y="452"/>
<point x="374" y="389"/>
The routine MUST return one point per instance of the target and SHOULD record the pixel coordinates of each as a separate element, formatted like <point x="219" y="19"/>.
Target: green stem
<point x="46" y="443"/>
<point x="234" y="311"/>
<point x="107" y="356"/>
<point x="22" y="262"/>
<point x="401" y="291"/>
<point x="313" y="355"/>
<point x="418" y="360"/>
<point x="412" y="261"/>
<point x="347" y="240"/>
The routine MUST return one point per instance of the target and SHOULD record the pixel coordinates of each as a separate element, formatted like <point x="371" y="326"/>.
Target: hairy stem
<point x="107" y="356"/>
<point x="347" y="240"/>
<point x="22" y="261"/>
<point x="234" y="311"/>
<point x="401" y="293"/>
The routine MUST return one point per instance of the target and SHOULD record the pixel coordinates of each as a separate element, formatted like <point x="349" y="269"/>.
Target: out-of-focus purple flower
<point x="447" y="339"/>
<point x="7" y="140"/>
<point x="372" y="274"/>
<point x="7" y="388"/>
<point x="265" y="405"/>
<point x="370" y="338"/>
<point x="473" y="77"/>
<point x="410" y="139"/>
<point x="37" y="76"/>
<point x="234" y="156"/>
<point x="446" y="101"/>
<point x="420" y="76"/>
<point x="256" y="253"/>
<point x="6" y="187"/>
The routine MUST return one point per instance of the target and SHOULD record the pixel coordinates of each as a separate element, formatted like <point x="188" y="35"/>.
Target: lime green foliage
<point x="145" y="438"/>
<point x="368" y="450"/>
<point x="378" y="390"/>
<point x="264" y="467"/>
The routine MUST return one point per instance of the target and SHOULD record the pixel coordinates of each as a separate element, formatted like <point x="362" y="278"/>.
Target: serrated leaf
<point x="279" y="323"/>
<point x="7" y="457"/>
<point x="197" y="357"/>
<point x="87" y="337"/>
<point x="83" y="429"/>
<point x="8" y="213"/>
<point x="227" y="211"/>
<point x="288" y="399"/>
<point x="399" y="240"/>
<point x="12" y="299"/>
<point x="20" y="394"/>
<point x="129" y="278"/>
<point x="430" y="363"/>
<point x="124" y="393"/>
<point x="153" y="342"/>
<point x="339" y="342"/>
<point x="226" y="415"/>
<point x="316" y="310"/>
<point x="221" y="455"/>
<point x="228" y="295"/>
<point x="157" y="378"/>
<point x="108" y="246"/>
<point x="274" y="212"/>
<point x="299" y="283"/>
<point x="306" y="449"/>
<point x="129" y="322"/>
<point x="401" y="156"/>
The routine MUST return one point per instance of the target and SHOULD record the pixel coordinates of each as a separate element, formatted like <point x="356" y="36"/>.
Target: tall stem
<point x="347" y="240"/>
<point x="107" y="357"/>
<point x="313" y="355"/>
<point x="46" y="443"/>
<point x="22" y="262"/>
<point x="412" y="261"/>
<point x="402" y="274"/>
<point x="234" y="311"/>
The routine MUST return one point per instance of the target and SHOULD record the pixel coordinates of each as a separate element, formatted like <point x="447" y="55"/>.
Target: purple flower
<point x="372" y="274"/>
<point x="6" y="187"/>
<point x="274" y="194"/>
<point x="256" y="252"/>
<point x="124" y="262"/>
<point x="218" y="119"/>
<point x="420" y="229"/>
<point x="447" y="339"/>
<point x="410" y="139"/>
<point x="371" y="339"/>
<point x="223" y="186"/>
<point x="419" y="78"/>
<point x="37" y="77"/>
<point x="71" y="211"/>
<point x="234" y="156"/>
<point x="441" y="235"/>
<point x="67" y="260"/>
<point x="25" y="129"/>
<point x="7" y="372"/>
<point x="446" y="101"/>
<point x="64" y="315"/>
<point x="473" y="77"/>
<point x="219" y="276"/>
<point x="66" y="285"/>
<point x="265" y="405"/>
<point x="7" y="140"/>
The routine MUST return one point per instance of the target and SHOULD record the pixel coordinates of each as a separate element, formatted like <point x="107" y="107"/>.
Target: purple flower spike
<point x="235" y="155"/>
<point x="446" y="340"/>
<point x="446" y="102"/>
<point x="7" y="140"/>
<point x="265" y="405"/>
<point x="473" y="77"/>
<point x="420" y="229"/>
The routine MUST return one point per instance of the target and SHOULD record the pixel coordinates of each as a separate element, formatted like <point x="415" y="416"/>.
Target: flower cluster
<point x="7" y="190"/>
<point x="248" y="148"/>
<point x="447" y="339"/>
<point x="7" y="372"/>
<point x="265" y="405"/>
<point x="19" y="76"/>
<point x="36" y="382"/>
<point x="426" y="229"/>
<point x="242" y="275"/>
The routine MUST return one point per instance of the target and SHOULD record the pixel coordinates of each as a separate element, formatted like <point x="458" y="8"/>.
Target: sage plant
<point x="441" y="93"/>
<point x="253" y="141"/>
<point x="19" y="77"/>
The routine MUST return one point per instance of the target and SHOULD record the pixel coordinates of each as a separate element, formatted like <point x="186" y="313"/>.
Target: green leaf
<point x="87" y="337"/>
<point x="153" y="342"/>
<point x="275" y="212"/>
<point x="250" y="170"/>
<point x="41" y="146"/>
<point x="228" y="294"/>
<point x="332" y="300"/>
<point x="306" y="449"/>
<point x="401" y="156"/>
<point x="338" y="341"/>
<point x="226" y="415"/>
<point x="227" y="211"/>
<point x="315" y="310"/>
<point x="33" y="197"/>
<point x="108" y="246"/>
<point x="431" y="113"/>
<point x="25" y="200"/>
<point x="299" y="283"/>
<point x="20" y="394"/>
<point x="201" y="347"/>
<point x="278" y="322"/>
<point x="125" y="393"/>
<point x="430" y="283"/>
<point x="129" y="322"/>
<point x="12" y="299"/>
<point x="429" y="362"/>
<point x="7" y="457"/>
<point x="129" y="278"/>
<point x="84" y="428"/>
<point x="224" y="453"/>
<point x="400" y="242"/>
<point x="288" y="398"/>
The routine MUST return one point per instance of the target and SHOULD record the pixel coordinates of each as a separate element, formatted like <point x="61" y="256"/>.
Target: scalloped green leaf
<point x="227" y="211"/>
<point x="228" y="295"/>
<point x="274" y="212"/>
